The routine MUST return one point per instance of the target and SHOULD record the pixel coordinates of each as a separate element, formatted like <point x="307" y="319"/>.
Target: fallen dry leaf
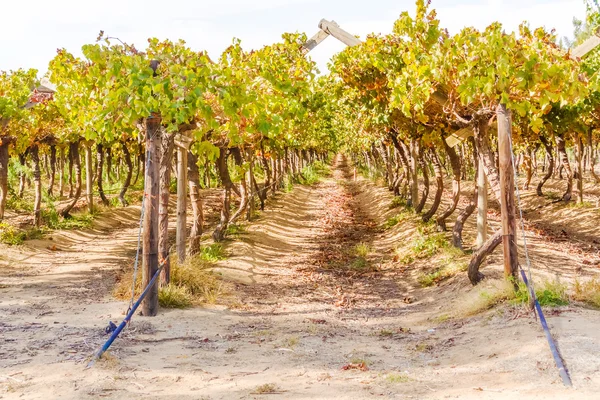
<point x="359" y="366"/>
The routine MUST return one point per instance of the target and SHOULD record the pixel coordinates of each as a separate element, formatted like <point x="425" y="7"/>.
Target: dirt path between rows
<point x="304" y="316"/>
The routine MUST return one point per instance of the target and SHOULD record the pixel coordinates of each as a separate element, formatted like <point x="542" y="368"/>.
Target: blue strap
<point x="122" y="325"/>
<point x="562" y="371"/>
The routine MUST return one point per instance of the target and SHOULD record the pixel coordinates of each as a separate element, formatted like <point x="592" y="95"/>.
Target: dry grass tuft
<point x="394" y="377"/>
<point x="454" y="262"/>
<point x="108" y="361"/>
<point x="362" y="250"/>
<point x="173" y="296"/>
<point x="587" y="292"/>
<point x="192" y="283"/>
<point x="267" y="388"/>
<point x="485" y="298"/>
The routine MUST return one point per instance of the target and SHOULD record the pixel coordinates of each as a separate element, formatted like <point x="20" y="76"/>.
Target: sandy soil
<point x="295" y="314"/>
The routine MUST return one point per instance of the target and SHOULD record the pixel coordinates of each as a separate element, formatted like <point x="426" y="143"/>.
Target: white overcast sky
<point x="32" y="30"/>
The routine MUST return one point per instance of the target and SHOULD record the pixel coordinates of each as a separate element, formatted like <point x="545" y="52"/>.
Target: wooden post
<point x="37" y="179"/>
<point x="414" y="178"/>
<point x="507" y="192"/>
<point x="579" y="141"/>
<point x="89" y="177"/>
<point x="250" y="194"/>
<point x="150" y="223"/>
<point x="182" y="181"/>
<point x="61" y="172"/>
<point x="334" y="30"/>
<point x="482" y="205"/>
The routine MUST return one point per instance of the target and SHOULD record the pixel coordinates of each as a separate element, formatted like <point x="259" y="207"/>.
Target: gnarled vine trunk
<point x="109" y="165"/>
<point x="76" y="162"/>
<point x="462" y="217"/>
<point x="456" y="173"/>
<point x="221" y="165"/>
<point x="470" y="208"/>
<point x="52" y="170"/>
<point x="22" y="177"/>
<point x="261" y="192"/>
<point x="244" y="198"/>
<point x="71" y="162"/>
<point x="550" y="154"/>
<point x="127" y="181"/>
<point x="89" y="181"/>
<point x="389" y="174"/>
<point x="425" y="192"/>
<point x="141" y="168"/>
<point x="3" y="175"/>
<point x="37" y="179"/>
<point x="275" y="169"/>
<point x="414" y="178"/>
<point x="99" y="172"/>
<point x="265" y="164"/>
<point x="564" y="160"/>
<point x="439" y="180"/>
<point x="485" y="155"/>
<point x="528" y="165"/>
<point x="483" y="151"/>
<point x="592" y="156"/>
<point x="479" y="256"/>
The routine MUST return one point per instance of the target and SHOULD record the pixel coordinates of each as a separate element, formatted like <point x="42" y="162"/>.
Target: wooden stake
<point x="414" y="178"/>
<point x="482" y="205"/>
<point x="89" y="177"/>
<point x="150" y="223"/>
<point x="181" y="201"/>
<point x="507" y="192"/>
<point x="37" y="179"/>
<point x="334" y="30"/>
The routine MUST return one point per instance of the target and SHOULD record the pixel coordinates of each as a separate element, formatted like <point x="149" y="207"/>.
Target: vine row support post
<point x="183" y="145"/>
<point x="482" y="205"/>
<point x="89" y="175"/>
<point x="150" y="222"/>
<point x="507" y="192"/>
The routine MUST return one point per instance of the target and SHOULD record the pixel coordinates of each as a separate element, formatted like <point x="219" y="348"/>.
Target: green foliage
<point x="19" y="203"/>
<point x="288" y="184"/>
<point x="15" y="91"/>
<point x="11" y="235"/>
<point x="213" y="252"/>
<point x="427" y="245"/>
<point x="235" y="229"/>
<point x="53" y="220"/>
<point x="549" y="294"/>
<point x="390" y="222"/>
<point x="553" y="294"/>
<point x="359" y="263"/>
<point x="580" y="205"/>
<point x="315" y="172"/>
<point x="173" y="186"/>
<point x="396" y="202"/>
<point x="371" y="174"/>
